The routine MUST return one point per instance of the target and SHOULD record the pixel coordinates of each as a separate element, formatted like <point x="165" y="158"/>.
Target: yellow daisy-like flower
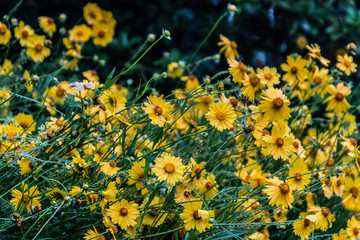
<point x="324" y="218"/>
<point x="157" y="109"/>
<point x="94" y="235"/>
<point x="23" y="33"/>
<point x="353" y="228"/>
<point x="279" y="143"/>
<point x="275" y="105"/>
<point x="92" y="13"/>
<point x="109" y="194"/>
<point x="5" y="34"/>
<point x="299" y="179"/>
<point x="26" y="166"/>
<point x="169" y="168"/>
<point x="221" y="115"/>
<point x="47" y="24"/>
<point x="102" y="34"/>
<point x="80" y="33"/>
<point x="237" y="70"/>
<point x="191" y="82"/>
<point x="174" y="70"/>
<point x="124" y="213"/>
<point x="315" y="53"/>
<point x="36" y="48"/>
<point x="304" y="227"/>
<point x="251" y="84"/>
<point x="346" y="64"/>
<point x="56" y="194"/>
<point x="77" y="159"/>
<point x="279" y="192"/>
<point x="196" y="218"/>
<point x="26" y="198"/>
<point x="155" y="216"/>
<point x="337" y="100"/>
<point x="229" y="47"/>
<point x="183" y="194"/>
<point x="91" y="75"/>
<point x="136" y="174"/>
<point x="25" y="121"/>
<point x="109" y="168"/>
<point x="295" y="70"/>
<point x="268" y="76"/>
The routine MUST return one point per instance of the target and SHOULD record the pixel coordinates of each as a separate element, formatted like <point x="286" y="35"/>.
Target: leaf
<point x="109" y="80"/>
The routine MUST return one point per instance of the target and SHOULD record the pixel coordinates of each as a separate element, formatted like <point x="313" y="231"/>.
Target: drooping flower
<point x="237" y="70"/>
<point x="196" y="218"/>
<point x="26" y="198"/>
<point x="228" y="47"/>
<point x="279" y="192"/>
<point x="315" y="52"/>
<point x="304" y="227"/>
<point x="93" y="234"/>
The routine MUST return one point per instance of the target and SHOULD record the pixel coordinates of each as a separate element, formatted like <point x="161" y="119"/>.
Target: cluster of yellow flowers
<point x="236" y="155"/>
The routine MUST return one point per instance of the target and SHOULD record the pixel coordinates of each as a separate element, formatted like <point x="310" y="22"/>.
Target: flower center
<point x="355" y="231"/>
<point x="102" y="107"/>
<point x="254" y="81"/>
<point x="158" y="110"/>
<point x="60" y="92"/>
<point x="317" y="80"/>
<point x="101" y="34"/>
<point x="234" y="102"/>
<point x="354" y="191"/>
<point x="123" y="211"/>
<point x="208" y="185"/>
<point x="50" y="21"/>
<point x="24" y="34"/>
<point x="347" y="63"/>
<point x="59" y="122"/>
<point x="299" y="177"/>
<point x="242" y="67"/>
<point x="279" y="142"/>
<point x="220" y="115"/>
<point x="265" y="132"/>
<point x="296" y="144"/>
<point x="307" y="222"/>
<point x="317" y="53"/>
<point x="31" y="165"/>
<point x="353" y="142"/>
<point x="169" y="168"/>
<point x="284" y="188"/>
<point x="112" y="163"/>
<point x="294" y="70"/>
<point x="325" y="211"/>
<point x="278" y="103"/>
<point x="38" y="47"/>
<point x="233" y="45"/>
<point x="25" y="197"/>
<point x="24" y="125"/>
<point x="79" y="33"/>
<point x="2" y="29"/>
<point x="196" y="215"/>
<point x="339" y="96"/>
<point x="339" y="182"/>
<point x="268" y="76"/>
<point x="187" y="194"/>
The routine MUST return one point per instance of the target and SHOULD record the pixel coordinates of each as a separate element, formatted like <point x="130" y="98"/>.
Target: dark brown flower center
<point x="254" y="81"/>
<point x="25" y="197"/>
<point x="38" y="47"/>
<point x="278" y="103"/>
<point x="327" y="182"/>
<point x="268" y="76"/>
<point x="242" y="67"/>
<point x="220" y="115"/>
<point x="339" y="96"/>
<point x="158" y="110"/>
<point x="60" y="92"/>
<point x="353" y="141"/>
<point x="284" y="188"/>
<point x="279" y="142"/>
<point x="325" y="211"/>
<point x="123" y="211"/>
<point x="3" y="29"/>
<point x="317" y="80"/>
<point x="102" y="107"/>
<point x="296" y="144"/>
<point x="31" y="165"/>
<point x="196" y="215"/>
<point x="355" y="231"/>
<point x="169" y="168"/>
<point x="339" y="182"/>
<point x="307" y="222"/>
<point x="187" y="194"/>
<point x="101" y="34"/>
<point x="354" y="191"/>
<point x="233" y="45"/>
<point x="299" y="177"/>
<point x="294" y="70"/>
<point x="24" y="125"/>
<point x="265" y="132"/>
<point x="209" y="185"/>
<point x="112" y="163"/>
<point x="24" y="34"/>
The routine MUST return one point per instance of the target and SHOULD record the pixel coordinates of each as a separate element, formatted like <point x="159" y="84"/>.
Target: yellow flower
<point x="299" y="177"/>
<point x="169" y="168"/>
<point x="280" y="193"/>
<point x="155" y="216"/>
<point x="80" y="33"/>
<point x="237" y="70"/>
<point x="183" y="194"/>
<point x="346" y="64"/>
<point x="324" y="218"/>
<point x="5" y="34"/>
<point x="221" y="115"/>
<point x="25" y="121"/>
<point x="315" y="52"/>
<point x="47" y="24"/>
<point x="353" y="228"/>
<point x="229" y="47"/>
<point x="93" y="234"/>
<point x="196" y="218"/>
<point x="36" y="48"/>
<point x="56" y="194"/>
<point x="102" y="34"/>
<point x="350" y="197"/>
<point x="124" y="213"/>
<point x="318" y="79"/>
<point x="157" y="109"/>
<point x="109" y="194"/>
<point x="279" y="143"/>
<point x="174" y="70"/>
<point x="304" y="227"/>
<point x="23" y="33"/>
<point x="251" y="84"/>
<point x="191" y="82"/>
<point x="26" y="198"/>
<point x="92" y="13"/>
<point x="136" y="174"/>
<point x="295" y="70"/>
<point x="337" y="100"/>
<point x="77" y="159"/>
<point x="301" y="42"/>
<point x="208" y="187"/>
<point x="109" y="168"/>
<point x="26" y="166"/>
<point x="268" y="76"/>
<point x="275" y="105"/>
<point x="91" y="75"/>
